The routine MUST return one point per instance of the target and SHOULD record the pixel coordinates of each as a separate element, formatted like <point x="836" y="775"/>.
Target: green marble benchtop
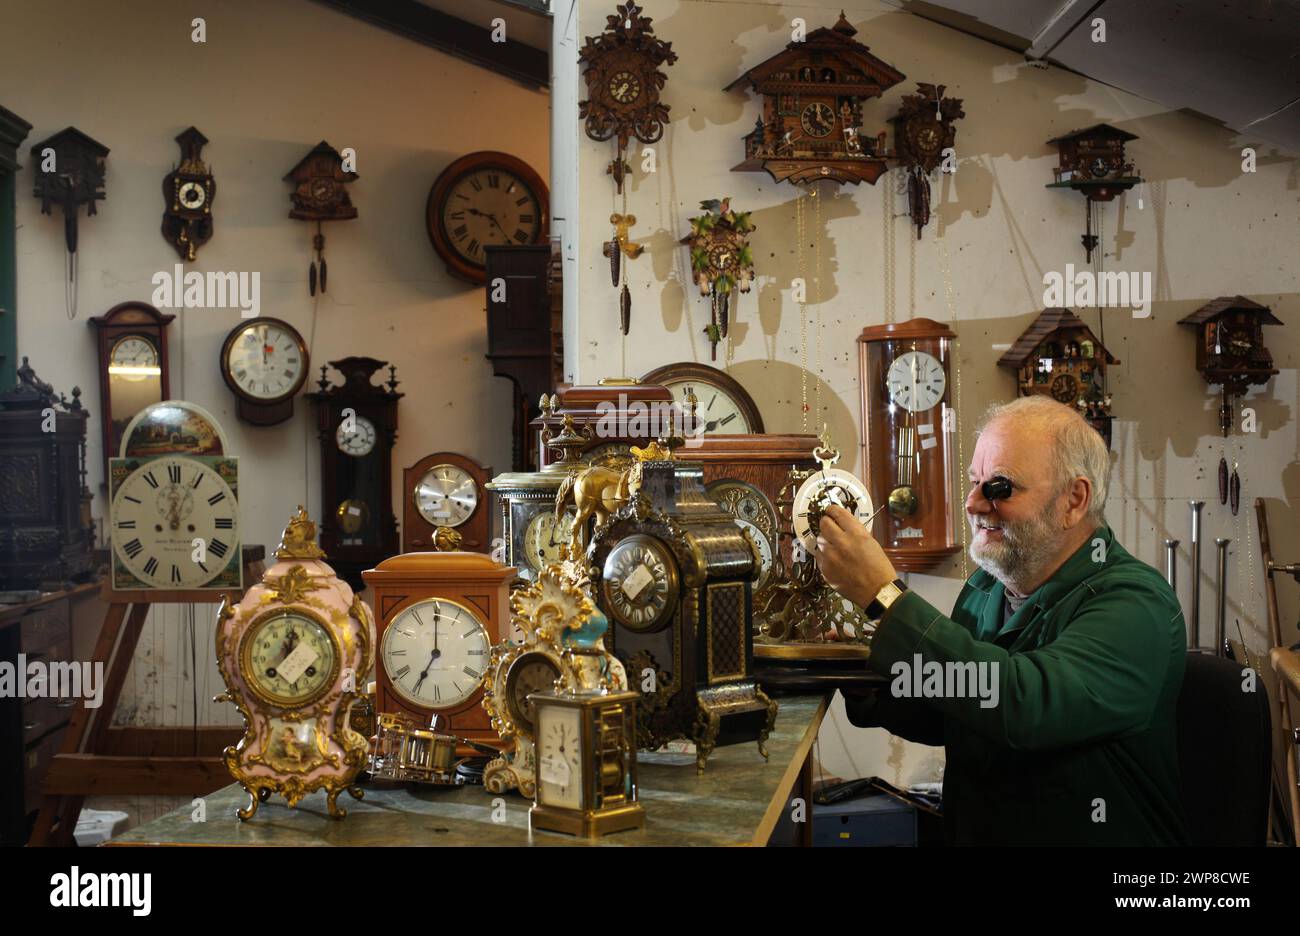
<point x="736" y="801"/>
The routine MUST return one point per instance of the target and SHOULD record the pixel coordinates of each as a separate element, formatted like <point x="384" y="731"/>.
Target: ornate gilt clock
<point x="356" y="422"/>
<point x="755" y="515"/>
<point x="188" y="192"/>
<point x="445" y="490"/>
<point x="813" y="93"/>
<point x="923" y="129"/>
<point x="439" y="614"/>
<point x="481" y="200"/>
<point x="131" y="341"/>
<point x="294" y="654"/>
<point x="264" y="362"/>
<point x="907" y="447"/>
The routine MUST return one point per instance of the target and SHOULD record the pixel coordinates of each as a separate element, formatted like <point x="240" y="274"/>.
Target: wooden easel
<point x="89" y="763"/>
<point x="1285" y="790"/>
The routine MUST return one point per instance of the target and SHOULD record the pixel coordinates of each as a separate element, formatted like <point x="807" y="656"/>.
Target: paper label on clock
<point x="354" y="511"/>
<point x="293" y="666"/>
<point x="929" y="442"/>
<point x="927" y="429"/>
<point x="442" y="513"/>
<point x="636" y="583"/>
<point x="552" y="768"/>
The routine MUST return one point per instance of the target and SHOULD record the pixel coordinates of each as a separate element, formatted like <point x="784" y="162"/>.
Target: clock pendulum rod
<point x="1221" y="594"/>
<point x="1171" y="564"/>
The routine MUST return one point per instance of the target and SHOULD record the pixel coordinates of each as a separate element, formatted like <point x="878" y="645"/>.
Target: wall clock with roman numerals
<point x="264" y="362"/>
<point x="482" y="199"/>
<point x="174" y="522"/>
<point x="439" y="615"/>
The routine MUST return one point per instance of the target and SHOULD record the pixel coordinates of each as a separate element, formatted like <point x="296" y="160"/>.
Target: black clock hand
<point x="425" y="672"/>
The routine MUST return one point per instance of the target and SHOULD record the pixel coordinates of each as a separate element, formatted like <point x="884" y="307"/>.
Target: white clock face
<point x="916" y="381"/>
<point x="546" y="537"/>
<point x="289" y="658"/>
<point x="158" y="512"/>
<point x="133" y="358"/>
<point x="559" y="756"/>
<point x="719" y="412"/>
<point x="266" y="361"/>
<point x="435" y="653"/>
<point x="827" y="487"/>
<point x="446" y="496"/>
<point x="360" y="441"/>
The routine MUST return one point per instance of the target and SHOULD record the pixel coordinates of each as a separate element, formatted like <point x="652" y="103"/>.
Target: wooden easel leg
<point x="86" y="729"/>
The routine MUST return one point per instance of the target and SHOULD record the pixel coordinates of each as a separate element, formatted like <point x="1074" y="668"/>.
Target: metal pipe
<point x="1194" y="625"/>
<point x="1221" y="589"/>
<point x="1171" y="564"/>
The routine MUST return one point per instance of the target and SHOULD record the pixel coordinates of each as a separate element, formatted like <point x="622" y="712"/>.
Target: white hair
<point x="1078" y="449"/>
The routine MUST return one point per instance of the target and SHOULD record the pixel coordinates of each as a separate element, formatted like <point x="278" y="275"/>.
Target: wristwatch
<point x="885" y="599"/>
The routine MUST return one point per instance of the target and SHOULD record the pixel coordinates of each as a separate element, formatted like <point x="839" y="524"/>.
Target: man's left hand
<point x="850" y="559"/>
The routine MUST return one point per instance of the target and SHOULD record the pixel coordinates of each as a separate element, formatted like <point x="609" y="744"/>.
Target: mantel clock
<point x="445" y="490"/>
<point x="292" y="653"/>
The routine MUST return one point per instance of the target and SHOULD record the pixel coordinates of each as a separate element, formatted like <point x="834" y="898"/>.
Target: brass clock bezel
<point x="654" y="544"/>
<point x="229" y="378"/>
<point x="246" y="651"/>
<point x="396" y="688"/>
<point x="459" y="266"/>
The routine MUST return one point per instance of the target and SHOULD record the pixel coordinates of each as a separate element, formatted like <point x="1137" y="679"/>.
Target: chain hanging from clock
<point x="623" y="87"/>
<point x="722" y="261"/>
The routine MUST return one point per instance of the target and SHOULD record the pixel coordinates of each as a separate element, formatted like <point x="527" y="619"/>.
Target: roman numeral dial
<point x="435" y="653"/>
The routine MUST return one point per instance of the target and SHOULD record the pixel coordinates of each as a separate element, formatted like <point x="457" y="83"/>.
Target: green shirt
<point x="1087" y="671"/>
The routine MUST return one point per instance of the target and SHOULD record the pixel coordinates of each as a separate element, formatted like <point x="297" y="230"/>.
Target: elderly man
<point x="1082" y="644"/>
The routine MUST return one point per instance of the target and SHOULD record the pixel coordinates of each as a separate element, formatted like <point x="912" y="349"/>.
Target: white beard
<point x="1026" y="548"/>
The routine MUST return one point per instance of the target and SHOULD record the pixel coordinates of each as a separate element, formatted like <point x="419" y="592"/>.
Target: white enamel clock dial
<point x="826" y="487"/>
<point x="435" y="653"/>
<point x="545" y="537"/>
<point x="446" y="496"/>
<point x="289" y="658"/>
<point x="360" y="441"/>
<point x="720" y="413"/>
<point x="559" y="757"/>
<point x="158" y="512"/>
<point x="916" y="381"/>
<point x="265" y="361"/>
<point x="133" y="358"/>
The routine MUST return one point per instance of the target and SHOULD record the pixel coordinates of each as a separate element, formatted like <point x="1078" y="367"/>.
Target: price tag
<point x="927" y="429"/>
<point x="442" y="513"/>
<point x="554" y="769"/>
<point x="636" y="583"/>
<point x="354" y="510"/>
<point x="929" y="442"/>
<point x="293" y="666"/>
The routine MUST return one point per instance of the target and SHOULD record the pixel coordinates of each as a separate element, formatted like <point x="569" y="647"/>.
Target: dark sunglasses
<point x="996" y="488"/>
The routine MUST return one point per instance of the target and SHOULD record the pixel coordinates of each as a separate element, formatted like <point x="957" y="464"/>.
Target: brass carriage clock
<point x="908" y="426"/>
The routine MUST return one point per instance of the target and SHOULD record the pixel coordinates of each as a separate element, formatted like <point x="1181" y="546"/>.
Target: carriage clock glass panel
<point x="435" y="653"/>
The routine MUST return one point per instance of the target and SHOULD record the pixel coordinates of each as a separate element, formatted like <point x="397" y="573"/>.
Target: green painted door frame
<point x="13" y="130"/>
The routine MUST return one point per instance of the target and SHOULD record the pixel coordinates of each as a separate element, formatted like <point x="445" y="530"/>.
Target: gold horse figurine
<point x="595" y="491"/>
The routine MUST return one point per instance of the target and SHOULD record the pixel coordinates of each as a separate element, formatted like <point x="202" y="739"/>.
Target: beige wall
<point x="1205" y="230"/>
<point x="272" y="80"/>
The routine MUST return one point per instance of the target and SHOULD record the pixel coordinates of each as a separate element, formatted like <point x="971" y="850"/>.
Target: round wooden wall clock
<point x="725" y="406"/>
<point x="485" y="198"/>
<point x="445" y="490"/>
<point x="264" y="362"/>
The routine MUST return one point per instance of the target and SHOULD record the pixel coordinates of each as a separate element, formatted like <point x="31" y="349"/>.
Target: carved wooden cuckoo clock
<point x="721" y="261"/>
<point x="811" y="127"/>
<point x="319" y="195"/>
<point x="188" y="192"/>
<point x="623" y="86"/>
<point x="923" y="129"/>
<point x="69" y="173"/>
<point x="1092" y="161"/>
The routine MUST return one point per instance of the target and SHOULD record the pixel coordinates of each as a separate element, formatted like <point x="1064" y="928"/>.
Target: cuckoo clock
<point x="318" y="195"/>
<point x="188" y="192"/>
<point x="1092" y="161"/>
<point x="813" y="92"/>
<point x="357" y="425"/>
<point x="923" y="129"/>
<point x="69" y="170"/>
<point x="1060" y="357"/>
<point x="721" y="261"/>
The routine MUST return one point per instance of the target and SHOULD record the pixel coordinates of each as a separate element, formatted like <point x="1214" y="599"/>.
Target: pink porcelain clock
<point x="293" y="653"/>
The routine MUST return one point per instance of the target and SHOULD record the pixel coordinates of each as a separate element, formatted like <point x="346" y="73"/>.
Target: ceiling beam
<point x="446" y="33"/>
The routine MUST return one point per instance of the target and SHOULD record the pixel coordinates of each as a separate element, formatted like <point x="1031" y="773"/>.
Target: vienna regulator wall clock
<point x="624" y="83"/>
<point x="812" y="122"/>
<point x="188" y="192"/>
<point x="293" y="653"/>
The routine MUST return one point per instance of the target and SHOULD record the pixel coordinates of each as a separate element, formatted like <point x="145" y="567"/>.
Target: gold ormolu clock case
<point x="701" y="654"/>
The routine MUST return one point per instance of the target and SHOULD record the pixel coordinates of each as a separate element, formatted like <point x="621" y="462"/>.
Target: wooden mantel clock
<point x="813" y="92"/>
<point x="439" y="615"/>
<point x="357" y="425"/>
<point x="907" y="412"/>
<point x="445" y="491"/>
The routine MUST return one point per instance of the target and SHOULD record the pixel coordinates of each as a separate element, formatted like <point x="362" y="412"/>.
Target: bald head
<point x="1058" y="438"/>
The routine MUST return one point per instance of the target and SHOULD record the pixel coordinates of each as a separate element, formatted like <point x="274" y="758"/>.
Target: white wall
<point x="1205" y="229"/>
<point x="272" y="80"/>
